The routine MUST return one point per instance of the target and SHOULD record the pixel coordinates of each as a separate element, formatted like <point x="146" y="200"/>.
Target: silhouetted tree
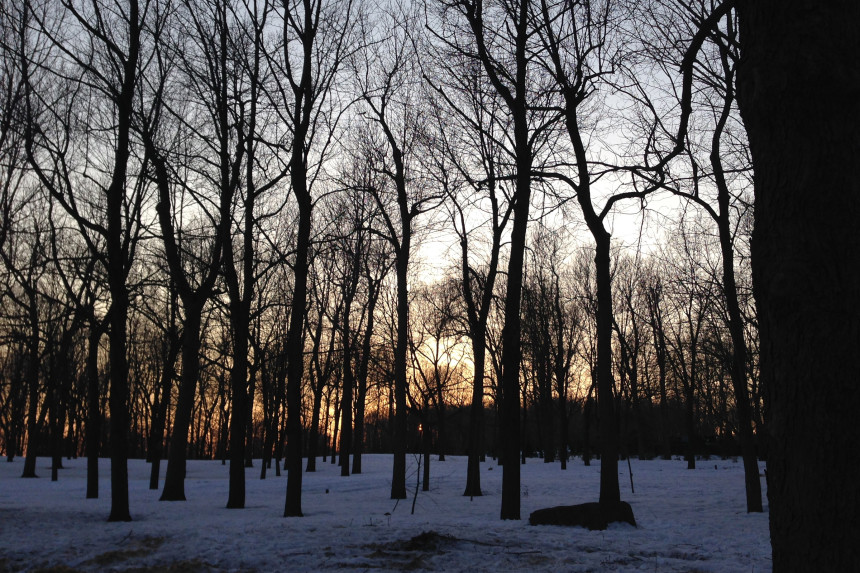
<point x="392" y="98"/>
<point x="797" y="85"/>
<point x="499" y="36"/>
<point x="317" y="38"/>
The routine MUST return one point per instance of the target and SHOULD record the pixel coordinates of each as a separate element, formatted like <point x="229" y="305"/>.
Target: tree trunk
<point x="609" y="489"/>
<point x="664" y="404"/>
<point x="174" y="479"/>
<point x="476" y="419"/>
<point x="348" y="383"/>
<point x="511" y="351"/>
<point x="249" y="415"/>
<point x="690" y="423"/>
<point x="798" y="85"/>
<point x="295" y="340"/>
<point x="313" y="437"/>
<point x="562" y="431"/>
<point x="440" y="424"/>
<point x="119" y="398"/>
<point x="117" y="267"/>
<point x="156" y="438"/>
<point x="94" y="417"/>
<point x="398" y="478"/>
<point x="336" y="429"/>
<point x="238" y="403"/>
<point x="426" y="439"/>
<point x="735" y="320"/>
<point x="372" y="298"/>
<point x="587" y="414"/>
<point x="54" y="422"/>
<point x="33" y="391"/>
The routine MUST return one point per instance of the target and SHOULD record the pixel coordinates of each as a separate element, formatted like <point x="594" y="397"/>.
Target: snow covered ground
<point x="687" y="521"/>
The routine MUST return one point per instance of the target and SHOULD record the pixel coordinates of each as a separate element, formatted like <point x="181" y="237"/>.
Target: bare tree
<point x="324" y="314"/>
<point x="500" y="38"/>
<point x="691" y="303"/>
<point x="391" y="96"/>
<point x="317" y="37"/>
<point x="582" y="42"/>
<point x="715" y="72"/>
<point x="653" y="290"/>
<point x="250" y="23"/>
<point x="376" y="266"/>
<point x="580" y="55"/>
<point x="113" y="39"/>
<point x="23" y="259"/>
<point x="469" y="166"/>
<point x="194" y="257"/>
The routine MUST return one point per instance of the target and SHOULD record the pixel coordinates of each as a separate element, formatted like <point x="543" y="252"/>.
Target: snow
<point x="688" y="520"/>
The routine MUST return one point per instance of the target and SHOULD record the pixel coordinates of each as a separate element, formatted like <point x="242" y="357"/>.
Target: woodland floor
<point x="688" y="520"/>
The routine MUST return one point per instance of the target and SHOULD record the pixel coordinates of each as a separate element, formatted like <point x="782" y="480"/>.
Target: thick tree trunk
<point x="609" y="489"/>
<point x="511" y="350"/>
<point x="799" y="94"/>
<point x="119" y="400"/>
<point x="238" y="405"/>
<point x="295" y="340"/>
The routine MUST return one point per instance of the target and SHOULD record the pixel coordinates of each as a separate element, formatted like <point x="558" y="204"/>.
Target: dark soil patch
<point x="427" y="541"/>
<point x="137" y="548"/>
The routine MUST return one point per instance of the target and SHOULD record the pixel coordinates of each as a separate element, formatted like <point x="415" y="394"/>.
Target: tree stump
<point x="594" y="516"/>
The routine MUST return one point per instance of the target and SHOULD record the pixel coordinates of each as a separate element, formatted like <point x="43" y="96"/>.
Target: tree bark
<point x="799" y="94"/>
<point x="240" y="313"/>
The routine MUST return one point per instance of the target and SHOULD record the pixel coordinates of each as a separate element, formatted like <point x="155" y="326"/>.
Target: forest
<point x="286" y="233"/>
